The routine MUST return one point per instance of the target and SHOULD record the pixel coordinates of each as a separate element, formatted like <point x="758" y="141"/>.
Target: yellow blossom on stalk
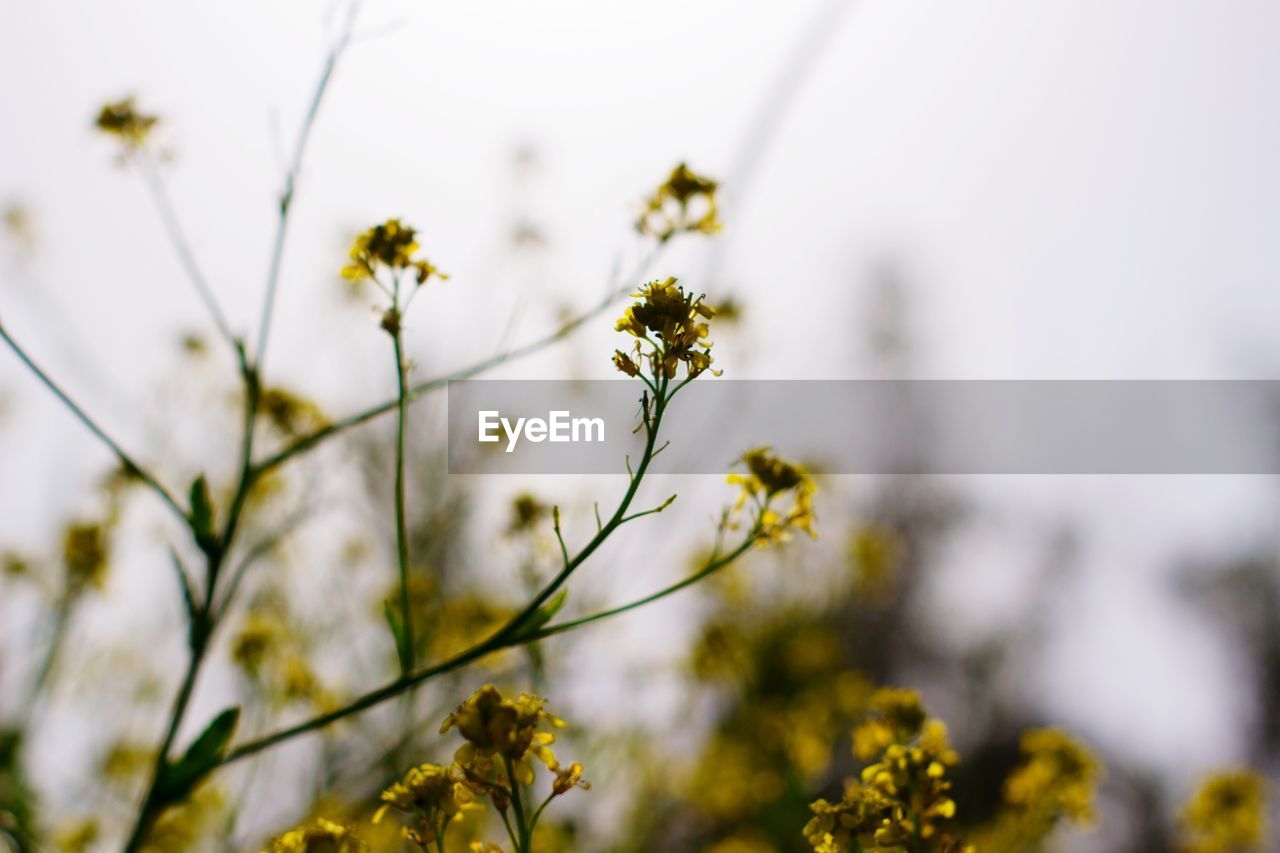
<point x="893" y="716"/>
<point x="1226" y="814"/>
<point x="432" y="796"/>
<point x="391" y="246"/>
<point x="122" y="120"/>
<point x="768" y="477"/>
<point x="1057" y="777"/>
<point x="900" y="800"/>
<point x="568" y="778"/>
<point x="673" y="323"/>
<point x="493" y="725"/>
<point x="322" y="835"/>
<point x="502" y="736"/>
<point x="1055" y="782"/>
<point x="684" y="203"/>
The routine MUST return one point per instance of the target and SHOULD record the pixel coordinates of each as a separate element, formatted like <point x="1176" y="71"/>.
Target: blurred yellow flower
<point x="1226" y="814"/>
<point x="392" y="246"/>
<point x="122" y="120"/>
<point x="684" y="203"/>
<point x="322" y="835"/>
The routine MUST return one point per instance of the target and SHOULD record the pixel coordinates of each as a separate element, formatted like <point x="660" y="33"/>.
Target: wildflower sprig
<point x="669" y="325"/>
<point x="534" y="620"/>
<point x="385" y="254"/>
<point x="768" y="480"/>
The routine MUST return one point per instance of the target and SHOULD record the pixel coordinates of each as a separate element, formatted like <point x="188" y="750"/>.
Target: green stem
<point x="710" y="568"/>
<point x="407" y="648"/>
<point x="178" y="237"/>
<point x="517" y="802"/>
<point x="151" y="809"/>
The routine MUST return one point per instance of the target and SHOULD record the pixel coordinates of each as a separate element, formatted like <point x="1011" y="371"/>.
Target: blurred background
<point x="927" y="190"/>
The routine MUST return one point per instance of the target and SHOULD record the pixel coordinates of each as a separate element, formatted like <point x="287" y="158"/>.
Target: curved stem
<point x="178" y="237"/>
<point x="709" y="569"/>
<point x="517" y="803"/>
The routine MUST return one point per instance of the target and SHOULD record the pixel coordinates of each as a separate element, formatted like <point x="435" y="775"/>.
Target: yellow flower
<point x="1227" y="814"/>
<point x="1057" y="777"/>
<point x="392" y="246"/>
<point x="494" y="725"/>
<point x="893" y="716"/>
<point x="670" y="321"/>
<point x="433" y="796"/>
<point x="684" y="203"/>
<point x="322" y="836"/>
<point x="122" y="120"/>
<point x="901" y="799"/>
<point x="568" y="778"/>
<point x="767" y="477"/>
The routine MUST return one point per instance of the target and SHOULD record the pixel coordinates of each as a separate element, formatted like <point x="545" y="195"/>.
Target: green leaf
<point x="177" y="779"/>
<point x="397" y="633"/>
<point x="543" y="615"/>
<point x="202" y="514"/>
<point x="188" y="594"/>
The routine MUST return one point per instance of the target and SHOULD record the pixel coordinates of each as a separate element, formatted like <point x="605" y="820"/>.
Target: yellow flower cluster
<point x="433" y="796"/>
<point x="1057" y="777"/>
<point x="495" y="726"/>
<point x="122" y="120"/>
<point x="1226" y="814"/>
<point x="322" y="835"/>
<point x="684" y="203"/>
<point x="502" y="736"/>
<point x="767" y="477"/>
<point x="673" y="323"/>
<point x="392" y="246"/>
<point x="901" y="799"/>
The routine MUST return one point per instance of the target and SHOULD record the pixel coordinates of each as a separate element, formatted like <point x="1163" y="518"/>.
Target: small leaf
<point x="543" y="615"/>
<point x="177" y="780"/>
<point x="184" y="580"/>
<point x="202" y="514"/>
<point x="397" y="634"/>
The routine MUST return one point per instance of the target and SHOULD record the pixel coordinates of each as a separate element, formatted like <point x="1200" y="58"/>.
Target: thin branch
<point x="291" y="178"/>
<point x="710" y="568"/>
<point x="129" y="463"/>
<point x="178" y="237"/>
